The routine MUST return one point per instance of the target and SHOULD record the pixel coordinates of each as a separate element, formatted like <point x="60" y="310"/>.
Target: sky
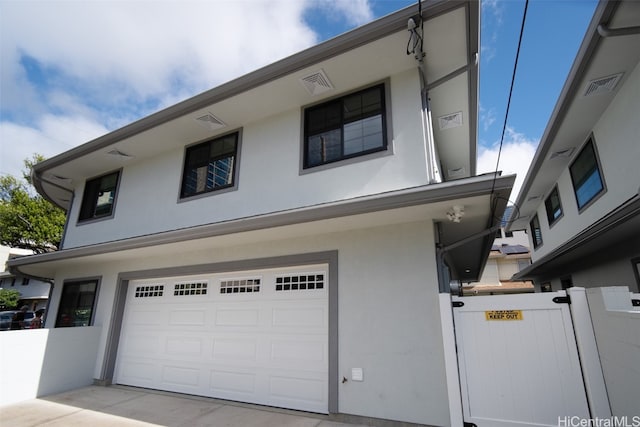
<point x="73" y="70"/>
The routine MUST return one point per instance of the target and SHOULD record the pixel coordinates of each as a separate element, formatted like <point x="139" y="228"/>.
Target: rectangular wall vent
<point x="210" y="121"/>
<point x="450" y="121"/>
<point x="602" y="85"/>
<point x="316" y="83"/>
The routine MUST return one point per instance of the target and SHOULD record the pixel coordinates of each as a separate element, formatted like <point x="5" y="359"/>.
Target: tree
<point x="27" y="220"/>
<point x="9" y="298"/>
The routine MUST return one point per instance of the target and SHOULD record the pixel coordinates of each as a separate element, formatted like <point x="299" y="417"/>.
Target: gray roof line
<point x="416" y="196"/>
<point x="602" y="14"/>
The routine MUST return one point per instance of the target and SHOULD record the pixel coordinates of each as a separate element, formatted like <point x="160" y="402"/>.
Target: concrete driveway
<point x="126" y="406"/>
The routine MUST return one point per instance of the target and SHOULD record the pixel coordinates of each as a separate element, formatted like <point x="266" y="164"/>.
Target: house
<point x="580" y="201"/>
<point x="33" y="292"/>
<point x="509" y="254"/>
<point x="284" y="238"/>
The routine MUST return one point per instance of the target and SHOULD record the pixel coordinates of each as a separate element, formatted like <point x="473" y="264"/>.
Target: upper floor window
<point x="553" y="206"/>
<point x="347" y="127"/>
<point x="586" y="176"/>
<point x="99" y="197"/>
<point x="210" y="166"/>
<point x="536" y="232"/>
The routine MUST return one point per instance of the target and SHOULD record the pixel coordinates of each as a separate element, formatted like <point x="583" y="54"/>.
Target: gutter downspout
<point x="414" y="26"/>
<point x="605" y="31"/>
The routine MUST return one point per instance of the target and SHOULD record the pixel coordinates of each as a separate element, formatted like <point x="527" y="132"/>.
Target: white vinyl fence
<point x="616" y="324"/>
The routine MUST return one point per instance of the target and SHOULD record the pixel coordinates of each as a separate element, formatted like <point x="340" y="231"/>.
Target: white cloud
<point x="517" y="153"/>
<point x="72" y="70"/>
<point x="51" y="135"/>
<point x="355" y="12"/>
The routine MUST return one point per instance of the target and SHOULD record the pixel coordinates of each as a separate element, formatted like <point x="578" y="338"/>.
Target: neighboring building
<point x="579" y="201"/>
<point x="285" y="238"/>
<point x="509" y="255"/>
<point x="33" y="292"/>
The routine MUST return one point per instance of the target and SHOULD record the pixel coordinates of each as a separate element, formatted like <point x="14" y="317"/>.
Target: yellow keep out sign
<point x="503" y="315"/>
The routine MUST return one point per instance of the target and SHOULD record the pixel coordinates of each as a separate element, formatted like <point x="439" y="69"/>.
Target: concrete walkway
<point x="97" y="406"/>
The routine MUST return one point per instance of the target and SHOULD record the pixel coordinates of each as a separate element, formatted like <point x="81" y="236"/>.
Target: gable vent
<point x="211" y="121"/>
<point x="602" y="85"/>
<point x="316" y="83"/>
<point x="450" y="121"/>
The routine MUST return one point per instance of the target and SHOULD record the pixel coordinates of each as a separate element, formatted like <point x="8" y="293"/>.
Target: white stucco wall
<point x="616" y="140"/>
<point x="269" y="176"/>
<point x="39" y="362"/>
<point x="388" y="313"/>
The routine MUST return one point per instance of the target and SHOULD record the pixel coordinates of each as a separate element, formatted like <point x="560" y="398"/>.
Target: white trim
<point x="450" y="361"/>
<point x="588" y="352"/>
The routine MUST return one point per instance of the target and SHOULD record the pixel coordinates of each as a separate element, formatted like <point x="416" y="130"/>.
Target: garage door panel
<point x="231" y="336"/>
<point x="234" y="349"/>
<point x="181" y="376"/>
<point x="232" y="384"/>
<point x="184" y="346"/>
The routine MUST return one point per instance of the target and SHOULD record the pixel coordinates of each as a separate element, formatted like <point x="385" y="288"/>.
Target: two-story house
<point x="580" y="200"/>
<point x="283" y="239"/>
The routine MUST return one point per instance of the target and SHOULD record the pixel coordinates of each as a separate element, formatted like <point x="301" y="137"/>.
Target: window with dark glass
<point x="347" y="127"/>
<point x="210" y="166"/>
<point x="553" y="206"/>
<point x="536" y="232"/>
<point x="586" y="176"/>
<point x="77" y="303"/>
<point x="99" y="197"/>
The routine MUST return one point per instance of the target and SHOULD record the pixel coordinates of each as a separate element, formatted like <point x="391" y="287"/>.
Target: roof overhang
<point x="618" y="231"/>
<point x="575" y="112"/>
<point x="376" y="50"/>
<point x="483" y="199"/>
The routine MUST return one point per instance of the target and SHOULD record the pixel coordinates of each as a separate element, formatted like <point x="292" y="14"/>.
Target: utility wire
<point x="506" y="114"/>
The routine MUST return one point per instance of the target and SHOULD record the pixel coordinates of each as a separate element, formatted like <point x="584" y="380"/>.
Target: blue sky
<point x="76" y="70"/>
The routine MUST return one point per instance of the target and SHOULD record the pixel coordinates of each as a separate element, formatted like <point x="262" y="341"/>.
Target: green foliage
<point x="27" y="220"/>
<point x="9" y="298"/>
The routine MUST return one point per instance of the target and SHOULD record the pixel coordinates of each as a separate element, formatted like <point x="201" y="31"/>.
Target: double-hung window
<point x="99" y="197"/>
<point x="586" y="176"/>
<point x="210" y="166"/>
<point x="347" y="127"/>
<point x="553" y="206"/>
<point x="536" y="232"/>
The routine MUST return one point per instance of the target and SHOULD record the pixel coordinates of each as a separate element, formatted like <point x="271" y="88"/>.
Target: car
<point x="6" y="316"/>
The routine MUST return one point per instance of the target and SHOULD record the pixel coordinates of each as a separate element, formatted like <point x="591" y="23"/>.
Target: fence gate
<point x="518" y="360"/>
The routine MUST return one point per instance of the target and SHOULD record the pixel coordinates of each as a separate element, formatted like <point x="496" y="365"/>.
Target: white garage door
<point x="251" y="336"/>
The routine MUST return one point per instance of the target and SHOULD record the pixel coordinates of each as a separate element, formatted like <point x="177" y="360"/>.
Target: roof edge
<point x="590" y="42"/>
<point x="468" y="187"/>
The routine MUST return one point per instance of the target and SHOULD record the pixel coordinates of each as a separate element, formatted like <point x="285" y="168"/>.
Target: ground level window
<point x="77" y="303"/>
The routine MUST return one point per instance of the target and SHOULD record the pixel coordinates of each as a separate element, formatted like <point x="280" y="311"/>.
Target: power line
<point x="506" y="114"/>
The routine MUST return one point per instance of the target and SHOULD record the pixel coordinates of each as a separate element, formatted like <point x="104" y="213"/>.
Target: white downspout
<point x="432" y="160"/>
